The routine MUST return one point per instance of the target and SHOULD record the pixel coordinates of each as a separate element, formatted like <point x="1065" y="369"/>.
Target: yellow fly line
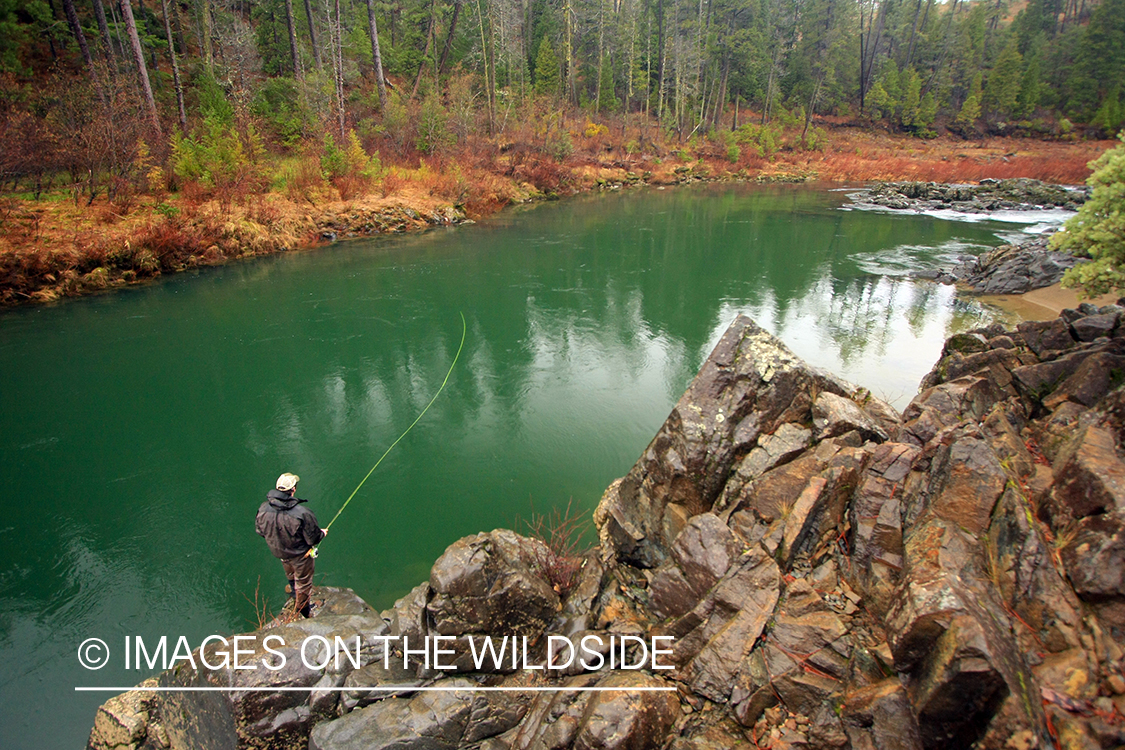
<point x="313" y="552"/>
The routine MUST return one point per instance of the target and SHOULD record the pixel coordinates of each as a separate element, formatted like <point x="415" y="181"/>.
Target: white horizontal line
<point x="392" y="689"/>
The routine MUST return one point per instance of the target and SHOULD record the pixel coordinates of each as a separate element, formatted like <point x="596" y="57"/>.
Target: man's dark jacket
<point x="290" y="528"/>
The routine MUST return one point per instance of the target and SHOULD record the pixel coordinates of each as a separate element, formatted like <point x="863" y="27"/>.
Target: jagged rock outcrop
<point x="1014" y="269"/>
<point x="831" y="575"/>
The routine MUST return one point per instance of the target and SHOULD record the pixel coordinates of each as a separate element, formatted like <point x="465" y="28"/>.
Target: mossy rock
<point x="965" y="343"/>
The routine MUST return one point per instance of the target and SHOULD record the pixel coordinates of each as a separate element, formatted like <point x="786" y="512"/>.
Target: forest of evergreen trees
<point x="101" y="77"/>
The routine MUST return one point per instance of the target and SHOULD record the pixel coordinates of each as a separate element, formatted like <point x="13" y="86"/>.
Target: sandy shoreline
<point x="1043" y="304"/>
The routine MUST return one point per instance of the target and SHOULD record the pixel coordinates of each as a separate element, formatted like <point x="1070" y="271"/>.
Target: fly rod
<point x="313" y="551"/>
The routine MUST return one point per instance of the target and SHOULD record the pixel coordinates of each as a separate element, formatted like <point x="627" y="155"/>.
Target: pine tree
<point x="1111" y="115"/>
<point x="879" y="100"/>
<point x="1003" y="88"/>
<point x="1098" y="230"/>
<point x="1099" y="58"/>
<point x="1031" y="82"/>
<point x="927" y="111"/>
<point x="607" y="101"/>
<point x="970" y="110"/>
<point x="889" y="81"/>
<point x="548" y="79"/>
<point x="911" y="97"/>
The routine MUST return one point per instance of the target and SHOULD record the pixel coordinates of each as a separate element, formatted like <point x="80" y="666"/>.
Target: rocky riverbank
<point x="1007" y="269"/>
<point x="832" y="574"/>
<point x="988" y="195"/>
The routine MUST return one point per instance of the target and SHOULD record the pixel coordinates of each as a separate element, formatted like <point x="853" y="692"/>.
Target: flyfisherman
<point x="291" y="531"/>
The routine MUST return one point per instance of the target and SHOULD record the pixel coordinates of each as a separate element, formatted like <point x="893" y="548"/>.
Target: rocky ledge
<point x="832" y="574"/>
<point x="1011" y="269"/>
<point x="989" y="195"/>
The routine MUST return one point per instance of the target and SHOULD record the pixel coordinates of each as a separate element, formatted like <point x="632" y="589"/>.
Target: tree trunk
<point x="812" y="104"/>
<point x="913" y="34"/>
<point x="48" y="30"/>
<point x="489" y="81"/>
<point x="862" y="57"/>
<point x="175" y="67"/>
<point x="769" y="85"/>
<point x="76" y="29"/>
<point x="601" y="55"/>
<point x="449" y="37"/>
<point x="294" y="50"/>
<point x="944" y="49"/>
<point x="870" y="48"/>
<point x="661" y="56"/>
<point x="568" y="13"/>
<point x="208" y="48"/>
<point x="429" y="44"/>
<point x="335" y="44"/>
<point x="312" y="36"/>
<point x="178" y="28"/>
<point x="103" y="28"/>
<point x="376" y="58"/>
<point x="721" y="98"/>
<point x="338" y="31"/>
<point x="139" y="59"/>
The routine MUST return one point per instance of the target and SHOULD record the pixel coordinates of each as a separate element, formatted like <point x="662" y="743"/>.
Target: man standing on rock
<point x="291" y="531"/>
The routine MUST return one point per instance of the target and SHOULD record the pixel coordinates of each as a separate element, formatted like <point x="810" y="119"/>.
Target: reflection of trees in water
<point x="969" y="314"/>
<point x="924" y="299"/>
<point x="859" y="315"/>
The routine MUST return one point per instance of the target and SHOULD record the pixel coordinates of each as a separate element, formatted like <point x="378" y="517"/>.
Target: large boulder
<point x="492" y="583"/>
<point x="1089" y="475"/>
<point x="880" y="717"/>
<point x="701" y="554"/>
<point x="875" y="518"/>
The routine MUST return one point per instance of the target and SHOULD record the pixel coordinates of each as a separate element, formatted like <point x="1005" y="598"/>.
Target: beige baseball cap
<point x="286" y="482"/>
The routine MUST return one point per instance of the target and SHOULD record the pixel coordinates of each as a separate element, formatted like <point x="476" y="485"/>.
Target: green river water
<point x="140" y="430"/>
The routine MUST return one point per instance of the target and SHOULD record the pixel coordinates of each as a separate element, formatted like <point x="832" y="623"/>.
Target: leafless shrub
<point x="562" y="554"/>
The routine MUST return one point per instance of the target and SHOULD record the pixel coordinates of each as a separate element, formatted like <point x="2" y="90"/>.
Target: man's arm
<point x="260" y="523"/>
<point x="311" y="530"/>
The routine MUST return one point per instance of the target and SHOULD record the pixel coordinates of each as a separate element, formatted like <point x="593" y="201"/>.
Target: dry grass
<point x="865" y="157"/>
<point x="58" y="246"/>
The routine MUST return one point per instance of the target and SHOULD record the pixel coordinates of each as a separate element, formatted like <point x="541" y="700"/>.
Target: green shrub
<point x="278" y="105"/>
<point x="214" y="156"/>
<point x="1098" y="230"/>
<point x="766" y="139"/>
<point x="351" y="160"/>
<point x="213" y="101"/>
<point x="433" y="131"/>
<point x="396" y="120"/>
<point x="559" y="144"/>
<point x="814" y="139"/>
